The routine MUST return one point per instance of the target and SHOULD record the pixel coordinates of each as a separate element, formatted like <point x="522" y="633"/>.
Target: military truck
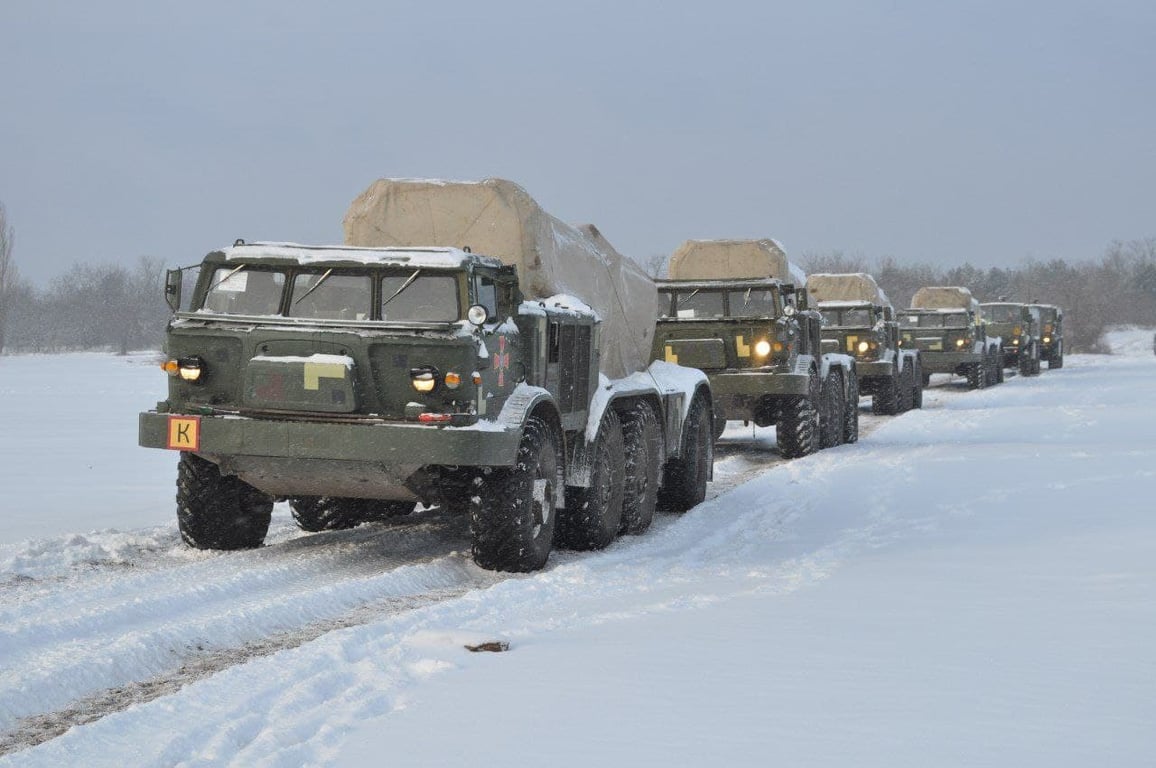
<point x="858" y="320"/>
<point x="737" y="309"/>
<point x="946" y="325"/>
<point x="1018" y="326"/>
<point x="1051" y="334"/>
<point x="440" y="356"/>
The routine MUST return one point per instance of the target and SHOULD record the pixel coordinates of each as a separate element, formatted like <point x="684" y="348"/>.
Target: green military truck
<point x="946" y="325"/>
<point x="858" y="320"/>
<point x="1018" y="326"/>
<point x="1051" y="334"/>
<point x="737" y="309"/>
<point x="356" y="381"/>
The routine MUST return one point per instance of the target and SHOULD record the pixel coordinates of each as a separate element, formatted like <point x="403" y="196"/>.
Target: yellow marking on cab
<point x="743" y="349"/>
<point x="315" y="372"/>
<point x="184" y="433"/>
<point x="851" y="342"/>
<point x="670" y="356"/>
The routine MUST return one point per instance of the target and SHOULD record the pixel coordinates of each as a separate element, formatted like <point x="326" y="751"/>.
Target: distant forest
<point x="120" y="308"/>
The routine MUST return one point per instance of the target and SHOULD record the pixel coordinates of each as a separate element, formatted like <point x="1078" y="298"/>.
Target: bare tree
<point x="8" y="276"/>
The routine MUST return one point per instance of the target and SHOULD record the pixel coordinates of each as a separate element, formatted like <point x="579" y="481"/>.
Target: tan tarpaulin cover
<point x="851" y="286"/>
<point x="731" y="260"/>
<point x="943" y="297"/>
<point x="498" y="218"/>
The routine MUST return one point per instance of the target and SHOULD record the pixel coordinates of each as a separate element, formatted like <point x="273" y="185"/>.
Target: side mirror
<point x="173" y="278"/>
<point x="789" y="310"/>
<point x="478" y="315"/>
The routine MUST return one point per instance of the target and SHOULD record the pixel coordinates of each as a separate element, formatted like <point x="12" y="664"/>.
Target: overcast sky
<point x="928" y="131"/>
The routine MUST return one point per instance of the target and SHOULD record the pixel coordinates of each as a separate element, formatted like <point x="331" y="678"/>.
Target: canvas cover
<point x="852" y="286"/>
<point x="498" y="218"/>
<point x="733" y="260"/>
<point x="944" y="297"/>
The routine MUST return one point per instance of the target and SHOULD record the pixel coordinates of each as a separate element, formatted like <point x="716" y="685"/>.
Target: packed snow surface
<point x="970" y="584"/>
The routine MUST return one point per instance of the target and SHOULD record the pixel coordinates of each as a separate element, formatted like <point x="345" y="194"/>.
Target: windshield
<point x="847" y="318"/>
<point x="934" y="320"/>
<point x="752" y="302"/>
<point x="1003" y="313"/>
<point x="697" y="304"/>
<point x="420" y="297"/>
<point x="242" y="291"/>
<point x="332" y="297"/>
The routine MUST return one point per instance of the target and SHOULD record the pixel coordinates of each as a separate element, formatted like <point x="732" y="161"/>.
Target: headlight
<point x="863" y="346"/>
<point x="424" y="379"/>
<point x="960" y="342"/>
<point x="762" y="348"/>
<point x="1047" y="339"/>
<point x="1015" y="342"/>
<point x="185" y="368"/>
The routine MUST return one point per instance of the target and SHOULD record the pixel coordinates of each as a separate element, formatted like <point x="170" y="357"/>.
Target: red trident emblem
<point x="503" y="361"/>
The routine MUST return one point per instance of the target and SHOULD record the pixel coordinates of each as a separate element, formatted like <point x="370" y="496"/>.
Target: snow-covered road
<point x="967" y="581"/>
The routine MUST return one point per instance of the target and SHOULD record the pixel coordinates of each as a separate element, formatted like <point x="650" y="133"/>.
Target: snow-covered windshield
<point x="1003" y="313"/>
<point x="244" y="291"/>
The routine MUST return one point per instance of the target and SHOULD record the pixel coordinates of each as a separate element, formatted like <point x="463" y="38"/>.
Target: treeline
<point x="1119" y="289"/>
<point x="106" y="307"/>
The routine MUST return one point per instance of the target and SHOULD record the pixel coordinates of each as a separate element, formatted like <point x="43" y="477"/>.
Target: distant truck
<point x="737" y="309"/>
<point x="858" y="320"/>
<point x="1051" y="334"/>
<point x="443" y="356"/>
<point x="1018" y="326"/>
<point x="946" y="325"/>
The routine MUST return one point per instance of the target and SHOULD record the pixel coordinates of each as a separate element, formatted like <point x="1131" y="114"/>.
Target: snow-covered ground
<point x="971" y="584"/>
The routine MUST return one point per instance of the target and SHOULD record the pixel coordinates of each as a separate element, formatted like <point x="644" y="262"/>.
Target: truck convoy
<point x="737" y="309"/>
<point x="858" y="320"/>
<point x="946" y="325"/>
<point x="463" y="348"/>
<point x="1051" y="334"/>
<point x="1018" y="325"/>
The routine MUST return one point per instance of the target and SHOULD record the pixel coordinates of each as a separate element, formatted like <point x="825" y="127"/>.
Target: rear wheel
<point x="642" y="442"/>
<point x="920" y="381"/>
<point x="1057" y="359"/>
<point x="906" y="389"/>
<point x="798" y="429"/>
<point x="885" y="401"/>
<point x="513" y="509"/>
<point x="684" y="477"/>
<point x="216" y="511"/>
<point x="593" y="515"/>
<point x="977" y="376"/>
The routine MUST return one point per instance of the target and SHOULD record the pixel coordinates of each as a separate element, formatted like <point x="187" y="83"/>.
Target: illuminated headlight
<point x="960" y="342"/>
<point x="863" y="346"/>
<point x="1015" y="342"/>
<point x="1047" y="339"/>
<point x="424" y="379"/>
<point x="762" y="348"/>
<point x="185" y="368"/>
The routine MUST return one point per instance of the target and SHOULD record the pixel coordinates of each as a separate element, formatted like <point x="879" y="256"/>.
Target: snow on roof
<point x="306" y="254"/>
<point x="844" y="304"/>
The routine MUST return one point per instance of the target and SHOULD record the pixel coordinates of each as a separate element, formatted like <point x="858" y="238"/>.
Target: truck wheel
<point x="513" y="509"/>
<point x="325" y="513"/>
<point x="851" y="412"/>
<point x="215" y="511"/>
<point x="642" y="443"/>
<point x="684" y="476"/>
<point x="1025" y="363"/>
<point x="919" y="381"/>
<point x="926" y="380"/>
<point x="1056" y="360"/>
<point x="593" y="515"/>
<point x="999" y="366"/>
<point x="798" y="429"/>
<point x="833" y="411"/>
<point x="885" y="401"/>
<point x="906" y="389"/>
<point x="977" y="376"/>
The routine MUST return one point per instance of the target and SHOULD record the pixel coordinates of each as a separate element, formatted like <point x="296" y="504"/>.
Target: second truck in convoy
<point x="738" y="310"/>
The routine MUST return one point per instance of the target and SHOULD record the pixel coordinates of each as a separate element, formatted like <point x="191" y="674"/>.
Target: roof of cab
<point x="294" y="253"/>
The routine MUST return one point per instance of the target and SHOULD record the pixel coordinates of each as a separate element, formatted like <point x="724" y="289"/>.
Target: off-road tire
<point x="684" y="477"/>
<point x="999" y="366"/>
<point x="720" y="422"/>
<point x="642" y="443"/>
<point x="906" y="389"/>
<point x="1025" y="363"/>
<point x="331" y="513"/>
<point x="1056" y="360"/>
<point x="834" y="409"/>
<point x="919" y="379"/>
<point x="513" y="510"/>
<point x="798" y="428"/>
<point x="885" y="401"/>
<point x="593" y="515"/>
<point x="851" y="412"/>
<point x="977" y="376"/>
<point x="216" y="511"/>
<point x="926" y="380"/>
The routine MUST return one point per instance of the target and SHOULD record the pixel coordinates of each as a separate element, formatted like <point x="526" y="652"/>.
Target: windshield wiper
<point x="315" y="286"/>
<point x="404" y="285"/>
<point x="232" y="272"/>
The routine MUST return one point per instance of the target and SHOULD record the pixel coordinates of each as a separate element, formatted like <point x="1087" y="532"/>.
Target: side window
<point x="486" y="293"/>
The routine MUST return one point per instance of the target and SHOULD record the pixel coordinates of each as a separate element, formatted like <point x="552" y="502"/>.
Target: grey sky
<point x="929" y="131"/>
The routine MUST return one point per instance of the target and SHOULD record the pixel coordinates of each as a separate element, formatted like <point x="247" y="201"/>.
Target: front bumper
<point x="876" y="369"/>
<point x="759" y="383"/>
<point x="947" y="362"/>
